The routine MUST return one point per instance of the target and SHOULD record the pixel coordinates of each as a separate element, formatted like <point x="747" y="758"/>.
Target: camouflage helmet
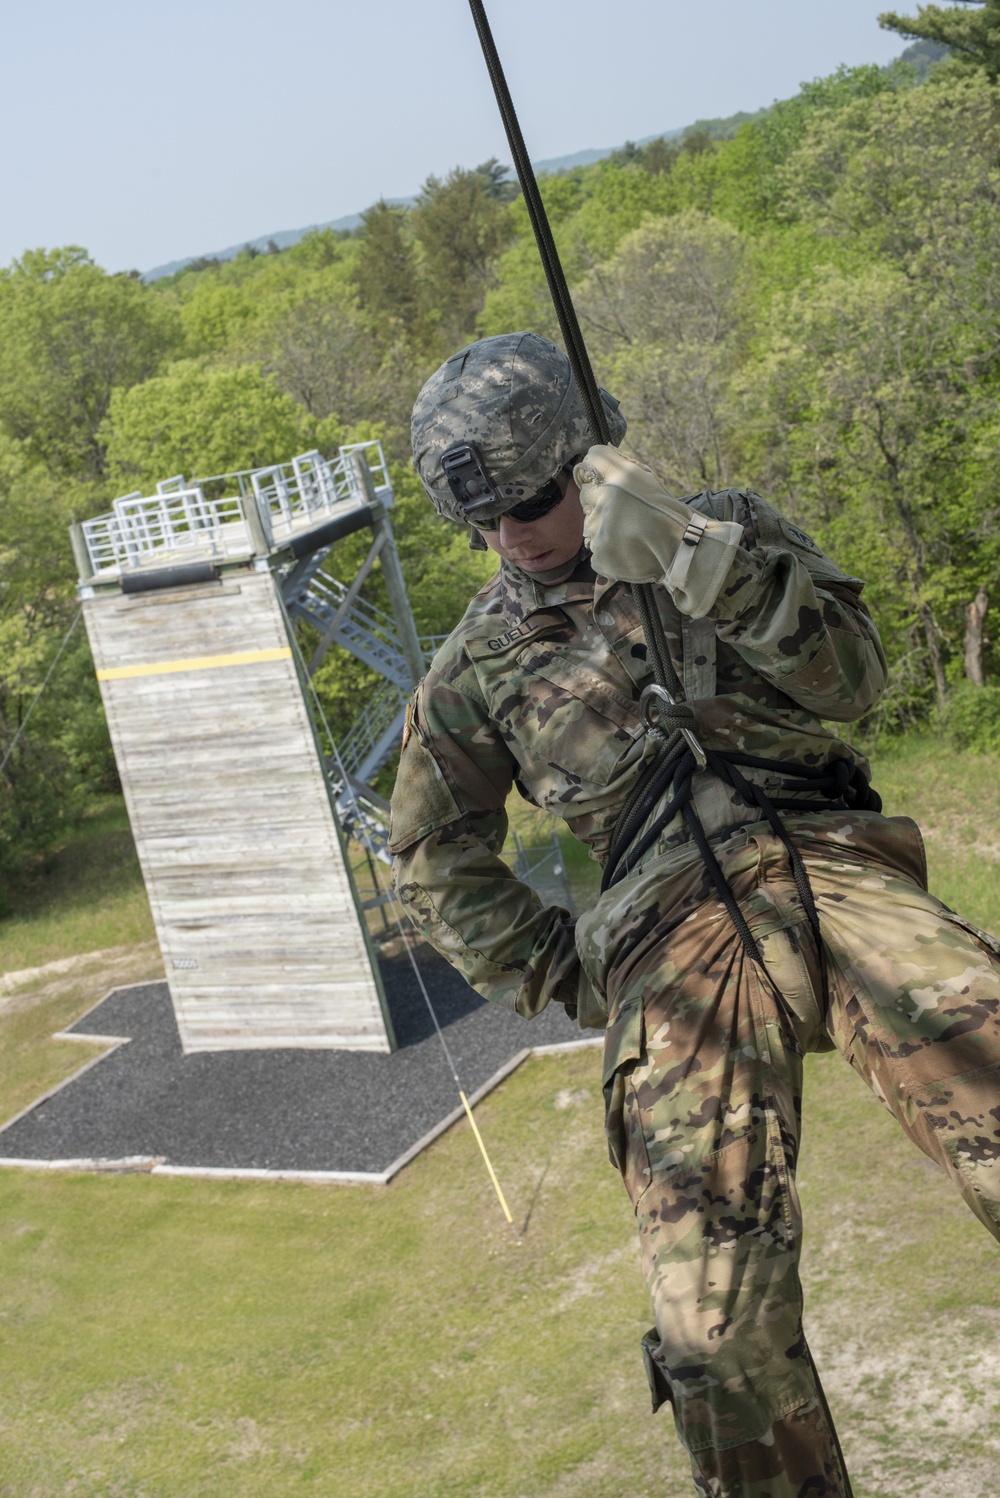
<point x="503" y="416"/>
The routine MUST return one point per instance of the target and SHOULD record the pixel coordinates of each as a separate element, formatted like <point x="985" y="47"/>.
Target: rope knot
<point x="660" y="715"/>
<point x="842" y="774"/>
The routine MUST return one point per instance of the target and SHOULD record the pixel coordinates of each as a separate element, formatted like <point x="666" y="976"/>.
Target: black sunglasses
<point x="529" y="509"/>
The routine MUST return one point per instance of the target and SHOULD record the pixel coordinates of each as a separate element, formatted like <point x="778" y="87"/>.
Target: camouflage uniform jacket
<point x="538" y="687"/>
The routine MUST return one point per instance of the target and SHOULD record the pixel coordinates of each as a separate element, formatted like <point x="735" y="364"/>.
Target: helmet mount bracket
<point x="469" y="479"/>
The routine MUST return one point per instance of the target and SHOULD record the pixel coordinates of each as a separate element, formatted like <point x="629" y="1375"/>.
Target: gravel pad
<point x="298" y="1110"/>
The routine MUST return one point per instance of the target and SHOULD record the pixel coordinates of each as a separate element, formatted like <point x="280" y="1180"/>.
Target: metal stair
<point x="370" y="635"/>
<point x="364" y="630"/>
<point x="362" y="819"/>
<point x="375" y="733"/>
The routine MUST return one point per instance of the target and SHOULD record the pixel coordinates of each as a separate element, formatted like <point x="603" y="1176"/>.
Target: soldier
<point x="755" y="904"/>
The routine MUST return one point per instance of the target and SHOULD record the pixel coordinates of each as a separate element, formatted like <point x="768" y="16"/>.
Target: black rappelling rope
<point x="576" y="348"/>
<point x="671" y="763"/>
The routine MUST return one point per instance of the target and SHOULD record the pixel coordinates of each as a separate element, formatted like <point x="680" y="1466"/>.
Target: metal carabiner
<point x="651" y="704"/>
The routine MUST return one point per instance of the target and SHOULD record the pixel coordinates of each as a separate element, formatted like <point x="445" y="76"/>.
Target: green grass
<point x="88" y="895"/>
<point x="88" y="898"/>
<point x="176" y="1337"/>
<point x="955" y="797"/>
<point x="169" y="1339"/>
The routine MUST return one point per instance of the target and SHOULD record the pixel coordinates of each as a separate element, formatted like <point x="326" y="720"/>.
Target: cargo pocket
<point x="909" y="855"/>
<point x="720" y="1238"/>
<point x="623" y="1048"/>
<point x="711" y="1201"/>
<point x="659" y="1384"/>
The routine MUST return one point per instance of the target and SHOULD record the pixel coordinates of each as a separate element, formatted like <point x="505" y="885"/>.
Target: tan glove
<point x="639" y="533"/>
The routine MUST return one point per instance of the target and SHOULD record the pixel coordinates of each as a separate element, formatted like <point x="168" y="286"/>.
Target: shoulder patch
<point x="794" y="534"/>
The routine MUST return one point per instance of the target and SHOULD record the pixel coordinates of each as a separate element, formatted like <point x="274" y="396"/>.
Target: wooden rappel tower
<point x="239" y="817"/>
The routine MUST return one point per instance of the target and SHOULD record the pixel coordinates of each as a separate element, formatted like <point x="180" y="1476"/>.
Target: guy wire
<point x="362" y="823"/>
<point x="35" y="700"/>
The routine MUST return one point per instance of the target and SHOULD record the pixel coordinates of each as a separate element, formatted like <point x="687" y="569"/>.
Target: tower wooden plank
<point x="242" y="856"/>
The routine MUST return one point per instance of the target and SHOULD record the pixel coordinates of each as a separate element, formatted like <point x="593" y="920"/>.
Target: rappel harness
<point x="835" y="787"/>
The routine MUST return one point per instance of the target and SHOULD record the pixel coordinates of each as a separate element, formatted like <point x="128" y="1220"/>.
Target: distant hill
<point x="921" y="55"/>
<point x="283" y="238"/>
<point x="553" y="165"/>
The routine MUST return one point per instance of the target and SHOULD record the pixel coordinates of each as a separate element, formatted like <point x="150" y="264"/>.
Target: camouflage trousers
<point x="703" y="1073"/>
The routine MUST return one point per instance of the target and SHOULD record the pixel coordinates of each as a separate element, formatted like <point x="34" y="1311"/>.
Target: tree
<point x="215" y="311"/>
<point x="199" y="421"/>
<point x="666" y="317"/>
<point x="386" y="272"/>
<point x="222" y="309"/>
<point x="659" y="156"/>
<point x="520" y="298"/>
<point x="972" y="35"/>
<point x="498" y="181"/>
<point x="618" y="200"/>
<point x="629" y="155"/>
<point x="912" y="178"/>
<point x="461" y="227"/>
<point x="323" y="353"/>
<point x="744" y="179"/>
<point x="71" y="335"/>
<point x="62" y="751"/>
<point x="869" y="434"/>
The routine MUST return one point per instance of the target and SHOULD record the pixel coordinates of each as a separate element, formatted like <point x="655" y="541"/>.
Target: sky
<point x="148" y="133"/>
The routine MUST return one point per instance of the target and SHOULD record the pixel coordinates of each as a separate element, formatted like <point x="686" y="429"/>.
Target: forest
<point x="807" y="303"/>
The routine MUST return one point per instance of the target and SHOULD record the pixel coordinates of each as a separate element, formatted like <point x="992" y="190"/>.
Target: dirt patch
<point x="96" y="972"/>
<point x="570" y="1097"/>
<point x="910" y="1413"/>
<point x="248" y="1440"/>
<point x="590" y="1278"/>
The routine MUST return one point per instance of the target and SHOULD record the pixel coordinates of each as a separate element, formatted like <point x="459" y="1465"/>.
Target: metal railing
<point x="291" y="496"/>
<point x="182" y="522"/>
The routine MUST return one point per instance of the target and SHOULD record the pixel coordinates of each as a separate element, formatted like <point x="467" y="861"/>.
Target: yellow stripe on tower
<point x="195" y="663"/>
